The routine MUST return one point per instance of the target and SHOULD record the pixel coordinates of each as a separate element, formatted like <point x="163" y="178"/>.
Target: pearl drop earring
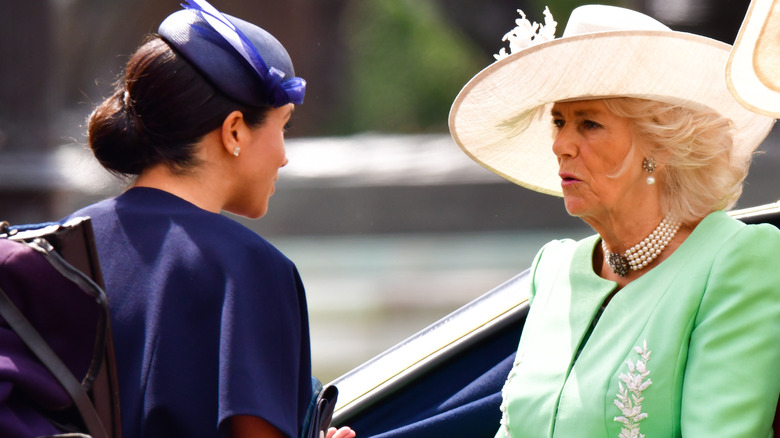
<point x="649" y="164"/>
<point x="236" y="151"/>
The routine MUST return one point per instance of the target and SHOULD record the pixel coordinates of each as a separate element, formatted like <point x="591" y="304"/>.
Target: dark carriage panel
<point x="762" y="214"/>
<point x="73" y="240"/>
<point x="430" y="379"/>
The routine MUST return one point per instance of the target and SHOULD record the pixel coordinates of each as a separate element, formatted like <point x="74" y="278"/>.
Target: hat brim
<point x="501" y="118"/>
<point x="753" y="73"/>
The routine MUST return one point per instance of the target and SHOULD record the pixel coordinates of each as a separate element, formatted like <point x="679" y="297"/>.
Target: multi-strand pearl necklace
<point x="644" y="252"/>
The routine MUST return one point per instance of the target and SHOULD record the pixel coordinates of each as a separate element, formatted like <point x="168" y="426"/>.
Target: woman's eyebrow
<point x="587" y="113"/>
<point x="578" y="113"/>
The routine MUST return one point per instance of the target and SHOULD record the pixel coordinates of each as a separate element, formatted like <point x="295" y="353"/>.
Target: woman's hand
<point x="247" y="426"/>
<point x="344" y="432"/>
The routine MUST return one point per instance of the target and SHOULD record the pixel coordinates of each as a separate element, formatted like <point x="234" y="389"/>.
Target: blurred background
<point x="390" y="224"/>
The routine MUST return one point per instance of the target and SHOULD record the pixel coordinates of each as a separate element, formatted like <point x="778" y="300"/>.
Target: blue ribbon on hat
<point x="281" y="91"/>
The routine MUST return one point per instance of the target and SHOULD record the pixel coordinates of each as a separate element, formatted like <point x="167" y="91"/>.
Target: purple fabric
<point x="64" y="315"/>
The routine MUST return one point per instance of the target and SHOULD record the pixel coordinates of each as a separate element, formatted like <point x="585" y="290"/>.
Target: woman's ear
<point x="232" y="132"/>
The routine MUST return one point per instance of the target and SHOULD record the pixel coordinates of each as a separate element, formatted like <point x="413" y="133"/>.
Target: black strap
<point x="49" y="358"/>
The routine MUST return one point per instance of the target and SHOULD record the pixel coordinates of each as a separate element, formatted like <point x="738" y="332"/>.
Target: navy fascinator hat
<point x="242" y="60"/>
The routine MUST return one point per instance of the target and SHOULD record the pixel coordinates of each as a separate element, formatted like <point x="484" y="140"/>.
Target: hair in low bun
<point x="114" y="139"/>
<point x="159" y="110"/>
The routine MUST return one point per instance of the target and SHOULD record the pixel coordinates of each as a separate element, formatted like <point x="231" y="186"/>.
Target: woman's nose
<point x="564" y="143"/>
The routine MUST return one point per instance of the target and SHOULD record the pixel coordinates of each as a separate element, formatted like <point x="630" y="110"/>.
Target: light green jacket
<point x="690" y="349"/>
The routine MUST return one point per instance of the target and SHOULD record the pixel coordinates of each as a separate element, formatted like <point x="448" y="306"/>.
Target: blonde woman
<point x="665" y="322"/>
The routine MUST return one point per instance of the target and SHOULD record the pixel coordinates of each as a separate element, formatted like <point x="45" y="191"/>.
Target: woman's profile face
<point x="260" y="160"/>
<point x="592" y="146"/>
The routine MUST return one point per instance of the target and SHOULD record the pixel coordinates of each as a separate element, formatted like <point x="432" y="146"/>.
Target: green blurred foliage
<point x="407" y="62"/>
<point x="406" y="65"/>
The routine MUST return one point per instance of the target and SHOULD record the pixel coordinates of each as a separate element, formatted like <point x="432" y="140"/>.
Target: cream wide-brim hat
<point x="501" y="118"/>
<point x="753" y="70"/>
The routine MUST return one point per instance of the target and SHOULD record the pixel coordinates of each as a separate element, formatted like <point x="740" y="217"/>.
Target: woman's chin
<point x="257" y="214"/>
<point x="249" y="212"/>
<point x="575" y="207"/>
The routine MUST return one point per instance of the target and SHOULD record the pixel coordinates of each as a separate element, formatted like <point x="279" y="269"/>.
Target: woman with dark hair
<point x="209" y="320"/>
<point x="665" y="322"/>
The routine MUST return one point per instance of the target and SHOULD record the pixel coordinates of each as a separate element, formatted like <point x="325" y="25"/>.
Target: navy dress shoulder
<point x="209" y="319"/>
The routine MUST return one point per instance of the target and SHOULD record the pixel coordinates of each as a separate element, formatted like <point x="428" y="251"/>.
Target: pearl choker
<point x="644" y="252"/>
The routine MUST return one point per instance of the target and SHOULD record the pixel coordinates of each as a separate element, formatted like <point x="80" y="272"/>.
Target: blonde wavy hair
<point x="694" y="151"/>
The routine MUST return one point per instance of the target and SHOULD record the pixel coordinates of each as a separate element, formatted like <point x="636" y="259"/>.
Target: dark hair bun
<point x="114" y="136"/>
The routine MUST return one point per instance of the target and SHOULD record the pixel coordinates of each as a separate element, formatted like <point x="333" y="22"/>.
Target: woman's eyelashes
<point x="590" y="124"/>
<point x="584" y="124"/>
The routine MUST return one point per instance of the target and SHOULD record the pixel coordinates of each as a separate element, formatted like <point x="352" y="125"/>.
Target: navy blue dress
<point x="209" y="319"/>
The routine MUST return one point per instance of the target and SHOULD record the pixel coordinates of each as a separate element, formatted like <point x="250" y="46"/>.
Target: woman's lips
<point x="568" y="179"/>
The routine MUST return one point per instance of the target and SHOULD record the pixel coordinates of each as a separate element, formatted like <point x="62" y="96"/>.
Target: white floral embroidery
<point x="629" y="397"/>
<point x="504" y="399"/>
<point x="526" y="34"/>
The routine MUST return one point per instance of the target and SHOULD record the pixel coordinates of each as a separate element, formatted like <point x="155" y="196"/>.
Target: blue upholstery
<point x="461" y="397"/>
